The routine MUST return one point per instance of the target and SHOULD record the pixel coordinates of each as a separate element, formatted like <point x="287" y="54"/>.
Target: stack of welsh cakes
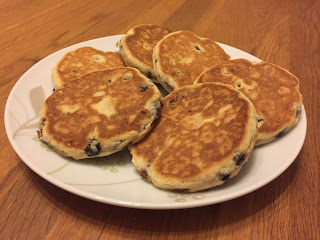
<point x="194" y="138"/>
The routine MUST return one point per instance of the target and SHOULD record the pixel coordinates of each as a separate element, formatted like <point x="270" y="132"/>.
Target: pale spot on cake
<point x="255" y="74"/>
<point x="222" y="111"/>
<point x="196" y="121"/>
<point x="61" y="127"/>
<point x="98" y="58"/>
<point x="147" y="46"/>
<point x="132" y="117"/>
<point x="253" y="95"/>
<point x="77" y="64"/>
<point x="111" y="127"/>
<point x="224" y="71"/>
<point x="68" y="108"/>
<point x="99" y="94"/>
<point x="105" y="107"/>
<point x="186" y="60"/>
<point x="283" y="90"/>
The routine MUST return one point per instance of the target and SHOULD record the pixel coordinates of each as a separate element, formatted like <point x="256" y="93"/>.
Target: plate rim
<point x="133" y="204"/>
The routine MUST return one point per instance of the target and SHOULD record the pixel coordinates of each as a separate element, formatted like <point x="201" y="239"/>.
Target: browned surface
<point x="86" y="60"/>
<point x="182" y="56"/>
<point x="201" y="126"/>
<point x="100" y="105"/>
<point x="273" y="91"/>
<point x="142" y="41"/>
<point x="282" y="32"/>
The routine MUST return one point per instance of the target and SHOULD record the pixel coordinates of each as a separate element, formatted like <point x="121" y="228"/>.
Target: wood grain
<point x="282" y="32"/>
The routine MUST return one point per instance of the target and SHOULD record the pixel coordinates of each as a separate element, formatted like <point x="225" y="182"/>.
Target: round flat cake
<point x="273" y="91"/>
<point x="136" y="47"/>
<point x="180" y="57"/>
<point x="99" y="113"/>
<point x="82" y="61"/>
<point x="204" y="136"/>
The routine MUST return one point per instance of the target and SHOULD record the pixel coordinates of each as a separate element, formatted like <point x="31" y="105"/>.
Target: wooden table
<point x="282" y="32"/>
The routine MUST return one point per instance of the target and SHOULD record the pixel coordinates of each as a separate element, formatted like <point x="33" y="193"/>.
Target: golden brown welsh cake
<point x="273" y="91"/>
<point x="205" y="134"/>
<point x="137" y="45"/>
<point x="180" y="57"/>
<point x="100" y="113"/>
<point x="82" y="61"/>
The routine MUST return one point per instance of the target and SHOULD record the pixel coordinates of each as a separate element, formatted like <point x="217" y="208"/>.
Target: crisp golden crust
<point x="205" y="133"/>
<point x="273" y="91"/>
<point x="82" y="61"/>
<point x="180" y="57"/>
<point x="100" y="113"/>
<point x="136" y="47"/>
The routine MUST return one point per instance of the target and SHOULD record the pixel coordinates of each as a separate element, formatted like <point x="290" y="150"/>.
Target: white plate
<point x="113" y="179"/>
